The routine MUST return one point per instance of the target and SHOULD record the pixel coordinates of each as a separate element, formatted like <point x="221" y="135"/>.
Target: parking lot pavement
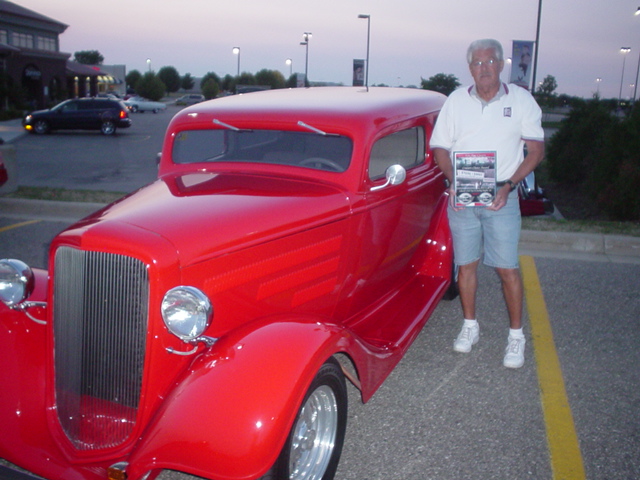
<point x="11" y="130"/>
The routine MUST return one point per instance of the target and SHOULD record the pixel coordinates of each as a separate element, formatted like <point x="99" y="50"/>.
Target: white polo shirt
<point x="468" y="123"/>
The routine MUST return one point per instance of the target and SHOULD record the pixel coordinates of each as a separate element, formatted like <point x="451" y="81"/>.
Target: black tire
<point x="108" y="127"/>
<point x="453" y="291"/>
<point x="41" y="127"/>
<point x="314" y="445"/>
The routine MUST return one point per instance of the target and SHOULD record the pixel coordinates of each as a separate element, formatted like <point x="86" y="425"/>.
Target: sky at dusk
<point x="580" y="40"/>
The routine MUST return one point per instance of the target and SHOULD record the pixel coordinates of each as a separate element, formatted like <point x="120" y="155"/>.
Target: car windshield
<point x="311" y="150"/>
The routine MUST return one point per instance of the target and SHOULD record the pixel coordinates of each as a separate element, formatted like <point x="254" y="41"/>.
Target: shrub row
<point x="599" y="150"/>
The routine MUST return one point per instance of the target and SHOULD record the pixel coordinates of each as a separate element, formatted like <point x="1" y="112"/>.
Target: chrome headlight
<point x="16" y="281"/>
<point x="186" y="312"/>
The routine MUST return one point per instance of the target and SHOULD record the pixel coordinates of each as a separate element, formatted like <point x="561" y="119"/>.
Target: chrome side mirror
<point x="395" y="174"/>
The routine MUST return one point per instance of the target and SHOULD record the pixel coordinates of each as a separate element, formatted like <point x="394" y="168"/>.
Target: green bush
<point x="151" y="87"/>
<point x="210" y="89"/>
<point x="574" y="149"/>
<point x="600" y="153"/>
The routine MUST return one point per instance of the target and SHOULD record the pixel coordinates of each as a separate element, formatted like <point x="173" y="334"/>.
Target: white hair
<point x="484" y="44"/>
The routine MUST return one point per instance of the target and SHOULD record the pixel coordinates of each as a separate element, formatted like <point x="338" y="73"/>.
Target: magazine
<point x="475" y="178"/>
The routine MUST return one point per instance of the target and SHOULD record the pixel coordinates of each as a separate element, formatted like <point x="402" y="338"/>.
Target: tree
<point x="89" y="57"/>
<point x="170" y="77"/>
<point x="187" y="82"/>
<point x="548" y="86"/>
<point x="544" y="94"/>
<point x="132" y="78"/>
<point x="441" y="82"/>
<point x="228" y="83"/>
<point x="246" y="78"/>
<point x="273" y="78"/>
<point x="210" y="89"/>
<point x="209" y="76"/>
<point x="150" y="86"/>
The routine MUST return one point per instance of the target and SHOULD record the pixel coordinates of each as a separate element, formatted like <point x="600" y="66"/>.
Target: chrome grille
<point x="100" y="307"/>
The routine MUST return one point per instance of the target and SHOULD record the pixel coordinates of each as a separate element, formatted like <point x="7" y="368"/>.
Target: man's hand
<point x="502" y="197"/>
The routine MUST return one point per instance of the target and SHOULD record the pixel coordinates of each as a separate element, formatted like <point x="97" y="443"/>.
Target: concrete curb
<point x="47" y="209"/>
<point x="583" y="243"/>
<point x="612" y="247"/>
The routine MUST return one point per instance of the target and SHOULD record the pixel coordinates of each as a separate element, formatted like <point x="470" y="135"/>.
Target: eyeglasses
<point x="479" y="63"/>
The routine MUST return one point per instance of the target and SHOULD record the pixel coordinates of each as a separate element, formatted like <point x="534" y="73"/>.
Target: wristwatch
<point x="512" y="186"/>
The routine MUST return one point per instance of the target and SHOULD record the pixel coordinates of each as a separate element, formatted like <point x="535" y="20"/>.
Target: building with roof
<point x="34" y="73"/>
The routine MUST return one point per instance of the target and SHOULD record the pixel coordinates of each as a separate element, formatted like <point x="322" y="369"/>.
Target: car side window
<point x="406" y="148"/>
<point x="70" y="107"/>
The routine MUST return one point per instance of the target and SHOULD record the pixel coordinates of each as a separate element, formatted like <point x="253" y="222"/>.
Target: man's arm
<point x="443" y="160"/>
<point x="535" y="154"/>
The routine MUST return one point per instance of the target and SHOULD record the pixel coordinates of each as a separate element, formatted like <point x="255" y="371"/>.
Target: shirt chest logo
<point x="506" y="112"/>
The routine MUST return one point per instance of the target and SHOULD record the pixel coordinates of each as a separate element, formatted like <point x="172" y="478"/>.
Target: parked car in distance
<point x="190" y="99"/>
<point x="533" y="200"/>
<point x="140" y="104"/>
<point x="4" y="175"/>
<point x="106" y="115"/>
<point x="112" y="96"/>
<point x="207" y="323"/>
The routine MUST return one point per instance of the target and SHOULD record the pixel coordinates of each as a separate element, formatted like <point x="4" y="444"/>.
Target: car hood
<point x="208" y="214"/>
<point x="40" y="112"/>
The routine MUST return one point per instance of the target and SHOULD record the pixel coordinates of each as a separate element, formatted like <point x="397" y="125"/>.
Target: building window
<point x="22" y="40"/>
<point x="4" y="37"/>
<point x="47" y="43"/>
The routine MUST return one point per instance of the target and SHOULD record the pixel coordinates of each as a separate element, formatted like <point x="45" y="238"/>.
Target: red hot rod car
<point x="206" y="323"/>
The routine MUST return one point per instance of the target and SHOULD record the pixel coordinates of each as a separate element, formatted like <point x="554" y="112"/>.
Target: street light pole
<point x="366" y="77"/>
<point x="535" y="58"/>
<point x="148" y="64"/>
<point x="624" y="51"/>
<point x="236" y="51"/>
<point x="306" y="36"/>
<point x="635" y="88"/>
<point x="289" y="62"/>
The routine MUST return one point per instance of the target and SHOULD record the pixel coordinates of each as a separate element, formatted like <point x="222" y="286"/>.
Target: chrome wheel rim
<point x="40" y="127"/>
<point x="314" y="436"/>
<point x="108" y="128"/>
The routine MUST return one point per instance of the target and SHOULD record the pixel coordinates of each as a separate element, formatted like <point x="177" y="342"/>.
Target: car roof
<point x="338" y="109"/>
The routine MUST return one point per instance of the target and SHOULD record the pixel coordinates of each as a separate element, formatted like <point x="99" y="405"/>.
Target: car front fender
<point x="229" y="415"/>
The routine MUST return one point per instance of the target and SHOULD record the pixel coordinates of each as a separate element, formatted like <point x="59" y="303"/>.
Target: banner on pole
<point x="521" y="63"/>
<point x="358" y="72"/>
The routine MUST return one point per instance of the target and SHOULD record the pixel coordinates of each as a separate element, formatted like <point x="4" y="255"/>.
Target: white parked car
<point x="140" y="104"/>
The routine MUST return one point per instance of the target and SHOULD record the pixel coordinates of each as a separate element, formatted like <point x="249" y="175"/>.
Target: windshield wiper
<point x="225" y="125"/>
<point x="313" y="129"/>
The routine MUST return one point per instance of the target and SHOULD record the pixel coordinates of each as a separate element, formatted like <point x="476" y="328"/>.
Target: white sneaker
<point x="467" y="338"/>
<point x="514" y="354"/>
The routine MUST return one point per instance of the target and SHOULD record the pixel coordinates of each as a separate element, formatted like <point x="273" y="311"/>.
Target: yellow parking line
<point x="564" y="448"/>
<point x="18" y="225"/>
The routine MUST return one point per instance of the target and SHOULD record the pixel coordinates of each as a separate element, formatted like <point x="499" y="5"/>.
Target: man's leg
<point x="466" y="231"/>
<point x="513" y="294"/>
<point x="468" y="285"/>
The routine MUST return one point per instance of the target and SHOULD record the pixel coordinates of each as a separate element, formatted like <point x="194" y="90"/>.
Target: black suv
<point x="101" y="114"/>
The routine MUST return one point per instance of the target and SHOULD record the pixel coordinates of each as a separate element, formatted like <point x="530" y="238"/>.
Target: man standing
<point x="489" y="116"/>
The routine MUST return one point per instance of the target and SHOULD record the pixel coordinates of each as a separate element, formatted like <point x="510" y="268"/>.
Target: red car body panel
<point x="300" y="265"/>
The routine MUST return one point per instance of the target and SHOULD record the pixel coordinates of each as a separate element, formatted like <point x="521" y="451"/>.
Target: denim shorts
<point x="498" y="231"/>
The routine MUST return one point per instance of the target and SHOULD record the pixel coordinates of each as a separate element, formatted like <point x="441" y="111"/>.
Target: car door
<point x="68" y="116"/>
<point x="395" y="218"/>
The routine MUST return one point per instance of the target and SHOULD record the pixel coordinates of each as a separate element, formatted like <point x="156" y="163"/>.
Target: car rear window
<point x="311" y="150"/>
